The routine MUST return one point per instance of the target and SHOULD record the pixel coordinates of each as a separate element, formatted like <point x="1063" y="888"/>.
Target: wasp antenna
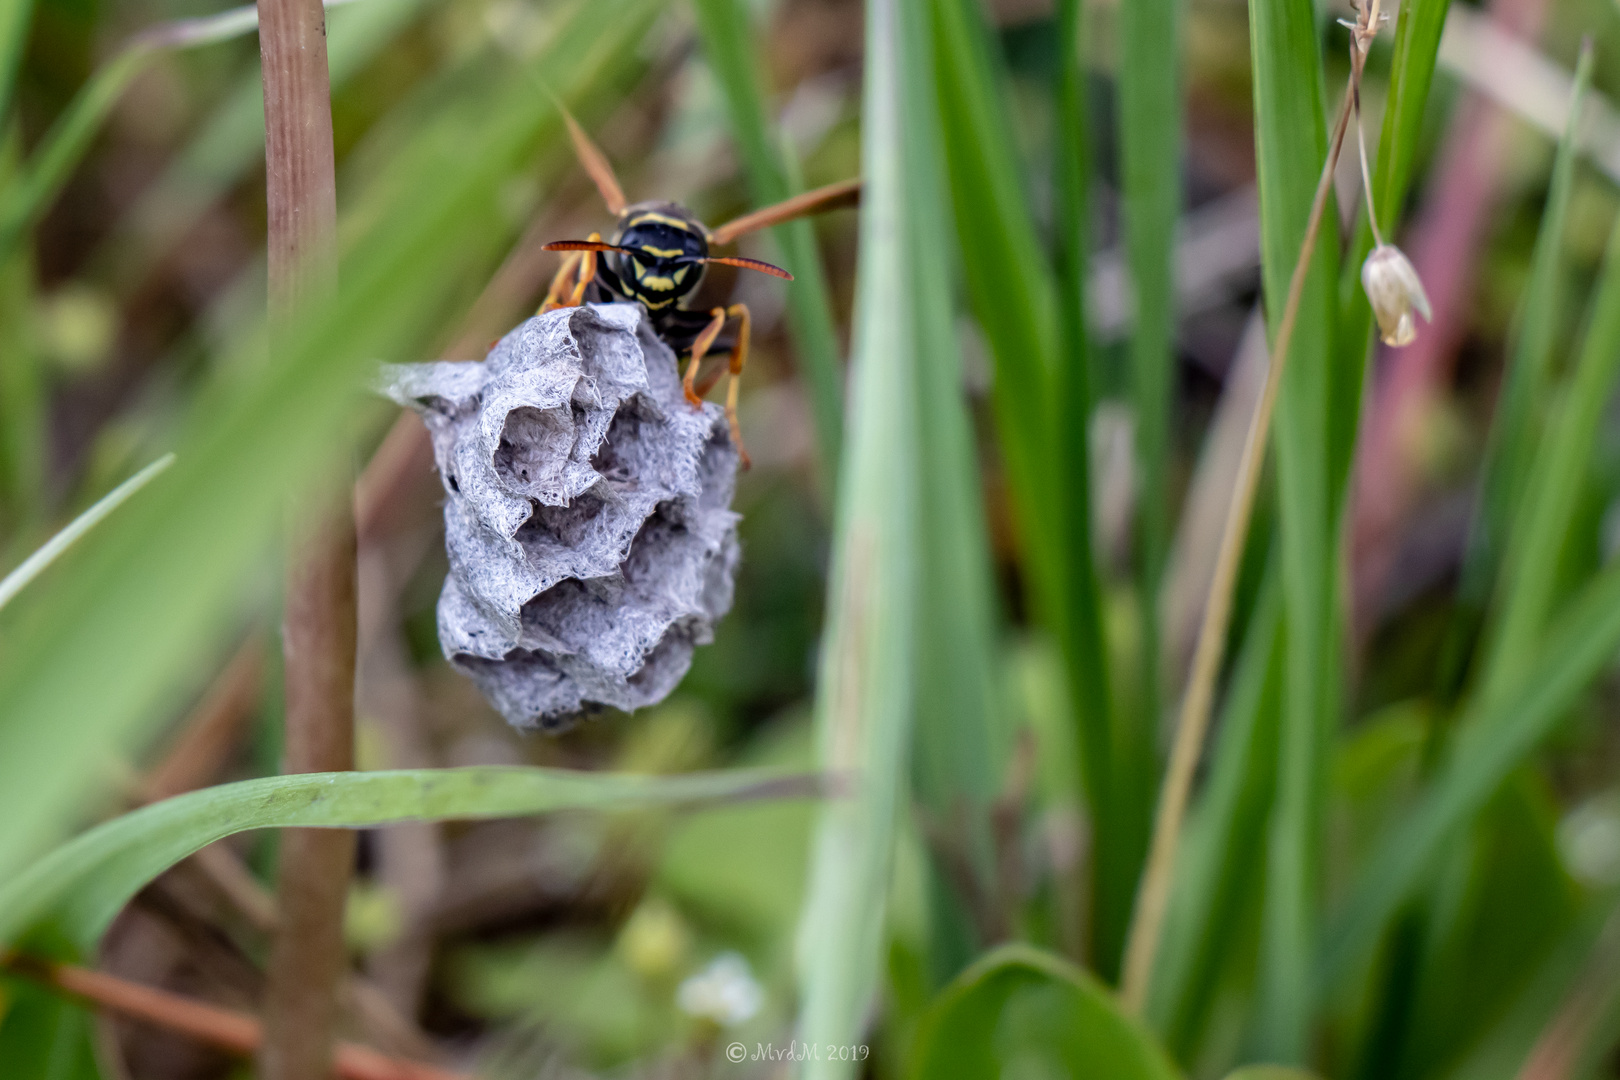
<point x="584" y="245"/>
<point x="747" y="264"/>
<point x="596" y="163"/>
<point x="831" y="197"/>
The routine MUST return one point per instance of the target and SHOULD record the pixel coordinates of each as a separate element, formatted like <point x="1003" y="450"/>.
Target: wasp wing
<point x="596" y="163"/>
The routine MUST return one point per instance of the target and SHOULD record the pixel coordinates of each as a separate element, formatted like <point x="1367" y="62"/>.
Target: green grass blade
<point x="1497" y="735"/>
<point x="1150" y="157"/>
<point x="1222" y="874"/>
<point x="231" y="139"/>
<point x="15" y="16"/>
<point x="1015" y="298"/>
<point x="959" y="745"/>
<point x="1291" y="144"/>
<point x="30" y="192"/>
<point x="1510" y="448"/>
<point x="143" y="600"/>
<point x="728" y="43"/>
<point x="1552" y="489"/>
<point x="85" y="882"/>
<point x="1417" y="44"/>
<point x="23" y="420"/>
<point x="864" y="695"/>
<point x="1019" y="1011"/>
<point x="35" y="564"/>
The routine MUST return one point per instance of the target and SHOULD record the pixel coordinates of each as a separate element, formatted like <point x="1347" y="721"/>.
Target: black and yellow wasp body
<point x="658" y="257"/>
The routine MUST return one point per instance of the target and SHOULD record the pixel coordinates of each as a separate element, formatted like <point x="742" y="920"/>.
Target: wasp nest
<point x="588" y="523"/>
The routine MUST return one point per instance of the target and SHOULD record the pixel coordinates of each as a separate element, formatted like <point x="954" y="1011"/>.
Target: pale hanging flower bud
<point x="1395" y="292"/>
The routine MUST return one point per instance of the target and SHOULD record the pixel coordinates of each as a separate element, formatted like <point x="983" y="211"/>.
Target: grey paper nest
<point x="588" y="523"/>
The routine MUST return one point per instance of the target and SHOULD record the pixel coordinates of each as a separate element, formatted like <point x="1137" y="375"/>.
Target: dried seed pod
<point x="587" y="520"/>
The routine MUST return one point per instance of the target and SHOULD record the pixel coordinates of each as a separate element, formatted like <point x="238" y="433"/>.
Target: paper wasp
<point x="658" y="256"/>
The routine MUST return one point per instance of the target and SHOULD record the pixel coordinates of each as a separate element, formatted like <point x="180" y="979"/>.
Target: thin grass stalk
<point x="35" y="564"/>
<point x="1193" y="722"/>
<point x="308" y="959"/>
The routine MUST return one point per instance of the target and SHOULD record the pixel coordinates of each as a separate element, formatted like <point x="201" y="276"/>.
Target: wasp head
<point x="661" y="256"/>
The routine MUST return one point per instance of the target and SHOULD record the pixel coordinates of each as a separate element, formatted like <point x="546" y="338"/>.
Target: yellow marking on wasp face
<point x="680" y="275"/>
<point x="654" y="305"/>
<point x="662" y="219"/>
<point x="641" y="271"/>
<point x="659" y="283"/>
<point x="663" y="253"/>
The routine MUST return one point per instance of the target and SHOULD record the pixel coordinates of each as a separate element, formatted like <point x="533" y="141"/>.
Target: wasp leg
<point x="587" y="272"/>
<point x="739" y="357"/>
<point x="562" y="284"/>
<point x="700" y="348"/>
<point x="572" y="279"/>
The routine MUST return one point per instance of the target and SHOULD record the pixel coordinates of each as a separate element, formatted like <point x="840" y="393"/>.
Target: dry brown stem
<point x="308" y="959"/>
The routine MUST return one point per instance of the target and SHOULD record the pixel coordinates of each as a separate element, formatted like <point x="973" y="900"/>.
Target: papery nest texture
<point x="588" y="514"/>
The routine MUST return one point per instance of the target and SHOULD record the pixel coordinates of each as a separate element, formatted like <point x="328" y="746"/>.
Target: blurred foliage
<point x="1403" y="851"/>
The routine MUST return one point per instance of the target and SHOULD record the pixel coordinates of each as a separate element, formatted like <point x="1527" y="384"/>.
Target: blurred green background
<point x="994" y="425"/>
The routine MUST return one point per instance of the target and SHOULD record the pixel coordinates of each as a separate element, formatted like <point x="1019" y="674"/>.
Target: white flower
<point x="1395" y="292"/>
<point x="724" y="992"/>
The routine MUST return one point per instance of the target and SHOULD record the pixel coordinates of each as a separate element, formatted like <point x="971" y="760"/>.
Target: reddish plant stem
<point x="225" y="1028"/>
<point x="308" y="960"/>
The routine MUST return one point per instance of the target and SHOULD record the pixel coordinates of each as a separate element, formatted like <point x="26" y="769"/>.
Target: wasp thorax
<point x="667" y="248"/>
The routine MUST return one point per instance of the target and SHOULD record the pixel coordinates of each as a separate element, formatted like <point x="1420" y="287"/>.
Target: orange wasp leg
<point x="572" y="279"/>
<point x="739" y="358"/>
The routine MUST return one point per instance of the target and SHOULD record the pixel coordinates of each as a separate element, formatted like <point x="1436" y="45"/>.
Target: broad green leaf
<point x="729" y="45"/>
<point x="35" y="564"/>
<point x="1495" y="737"/>
<point x="85" y="882"/>
<point x="864" y="694"/>
<point x="1291" y="147"/>
<point x="143" y="601"/>
<point x="1022" y="1012"/>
